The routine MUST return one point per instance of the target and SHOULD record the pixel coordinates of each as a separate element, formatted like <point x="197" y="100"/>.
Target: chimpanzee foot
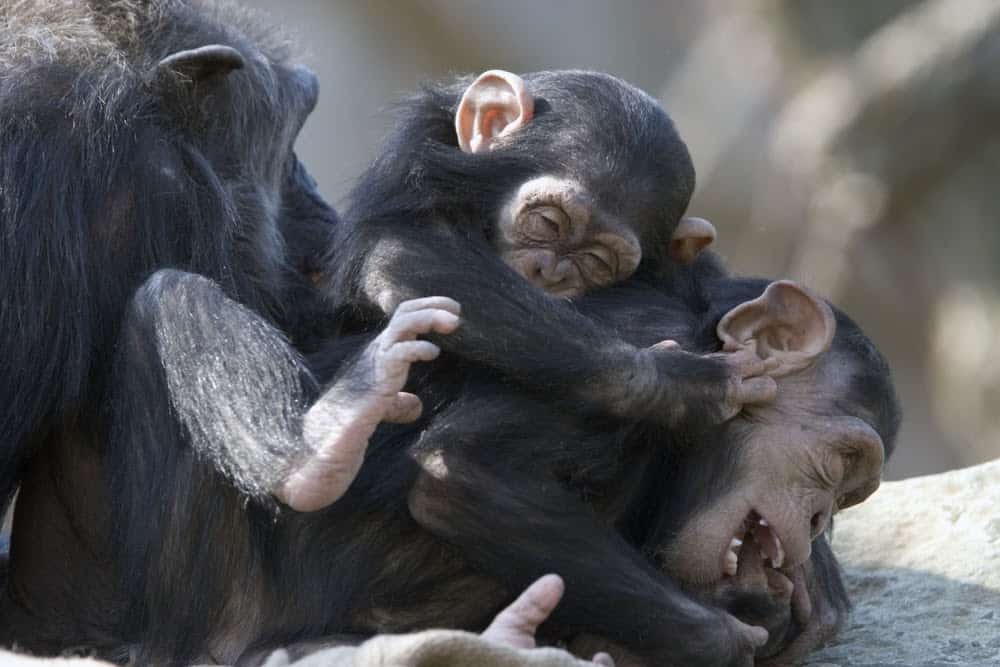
<point x="368" y="391"/>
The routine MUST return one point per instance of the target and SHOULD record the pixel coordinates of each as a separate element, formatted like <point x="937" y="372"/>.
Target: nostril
<point x="817" y="523"/>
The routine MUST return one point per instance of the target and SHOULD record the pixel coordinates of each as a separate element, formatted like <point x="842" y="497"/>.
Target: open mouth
<point x="754" y="533"/>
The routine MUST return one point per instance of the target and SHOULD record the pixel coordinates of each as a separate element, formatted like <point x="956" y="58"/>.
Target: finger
<point x="432" y="302"/>
<point x="603" y="659"/>
<point x="516" y="624"/>
<point x="411" y="351"/>
<point x="667" y="345"/>
<point x="407" y="326"/>
<point x="748" y="364"/>
<point x="771" y="364"/>
<point x="755" y="635"/>
<point x="405" y="408"/>
<point x="762" y="389"/>
<point x="801" y="602"/>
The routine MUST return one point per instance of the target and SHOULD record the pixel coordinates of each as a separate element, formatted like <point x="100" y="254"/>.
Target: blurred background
<point x="854" y="146"/>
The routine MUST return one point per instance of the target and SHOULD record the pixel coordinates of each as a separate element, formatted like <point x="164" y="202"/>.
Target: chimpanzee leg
<point x="212" y="406"/>
<point x="204" y="412"/>
<point x="517" y="526"/>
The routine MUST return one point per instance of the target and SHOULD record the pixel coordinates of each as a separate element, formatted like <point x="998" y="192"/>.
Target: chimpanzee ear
<point x="786" y="323"/>
<point x="691" y="236"/>
<point x="203" y="63"/>
<point x="494" y="105"/>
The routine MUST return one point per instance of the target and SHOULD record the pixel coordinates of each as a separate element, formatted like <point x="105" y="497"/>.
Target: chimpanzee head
<point x="234" y="103"/>
<point x="575" y="177"/>
<point x="161" y="134"/>
<point x="766" y="485"/>
<point x="606" y="177"/>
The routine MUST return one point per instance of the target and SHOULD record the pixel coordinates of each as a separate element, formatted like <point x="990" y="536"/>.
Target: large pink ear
<point x="786" y="323"/>
<point x="494" y="105"/>
<point x="691" y="236"/>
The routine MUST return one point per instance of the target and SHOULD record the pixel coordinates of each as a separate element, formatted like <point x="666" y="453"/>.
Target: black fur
<point x="177" y="551"/>
<point x="421" y="222"/>
<point x="110" y="170"/>
<point x="532" y="487"/>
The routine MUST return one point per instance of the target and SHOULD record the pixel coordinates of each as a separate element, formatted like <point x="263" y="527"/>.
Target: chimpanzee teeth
<point x="732" y="563"/>
<point x="779" y="552"/>
<point x="779" y="559"/>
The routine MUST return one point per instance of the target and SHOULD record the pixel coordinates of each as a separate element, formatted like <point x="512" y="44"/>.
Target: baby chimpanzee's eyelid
<point x="605" y="256"/>
<point x="543" y="223"/>
<point x="557" y="216"/>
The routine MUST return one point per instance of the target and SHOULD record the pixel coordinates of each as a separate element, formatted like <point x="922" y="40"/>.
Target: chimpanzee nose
<point x="553" y="270"/>
<point x="822" y="509"/>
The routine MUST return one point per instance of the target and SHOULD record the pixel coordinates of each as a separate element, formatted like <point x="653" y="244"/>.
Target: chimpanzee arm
<point x="518" y="527"/>
<point x="244" y="397"/>
<point x="540" y="341"/>
<point x="516" y="524"/>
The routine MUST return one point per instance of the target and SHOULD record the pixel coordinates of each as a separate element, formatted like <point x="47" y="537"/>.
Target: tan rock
<point x="923" y="565"/>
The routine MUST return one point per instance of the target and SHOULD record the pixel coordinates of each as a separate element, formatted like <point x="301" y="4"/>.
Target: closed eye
<point x="545" y="223"/>
<point x="598" y="266"/>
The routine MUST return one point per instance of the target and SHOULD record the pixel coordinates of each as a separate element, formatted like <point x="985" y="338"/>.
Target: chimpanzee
<point x="508" y="193"/>
<point x="452" y="515"/>
<point x="137" y="136"/>
<point x="757" y="490"/>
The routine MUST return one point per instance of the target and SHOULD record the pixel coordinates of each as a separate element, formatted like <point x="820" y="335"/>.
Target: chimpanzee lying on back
<point x="452" y="516"/>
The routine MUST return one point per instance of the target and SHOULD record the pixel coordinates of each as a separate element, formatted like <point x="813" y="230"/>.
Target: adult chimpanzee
<point x="503" y="192"/>
<point x="138" y="135"/>
<point x="767" y="482"/>
<point x="451" y="516"/>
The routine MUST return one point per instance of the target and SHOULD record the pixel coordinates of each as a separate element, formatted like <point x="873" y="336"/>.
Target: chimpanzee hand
<point x="758" y="596"/>
<point x="366" y="392"/>
<point x="704" y="390"/>
<point x="816" y="619"/>
<point x="515" y="626"/>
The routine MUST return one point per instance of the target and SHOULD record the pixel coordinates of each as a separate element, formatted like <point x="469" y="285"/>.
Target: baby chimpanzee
<point x="502" y="192"/>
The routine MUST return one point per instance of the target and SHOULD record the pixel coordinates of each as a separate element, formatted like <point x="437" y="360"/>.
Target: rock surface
<point x="923" y="567"/>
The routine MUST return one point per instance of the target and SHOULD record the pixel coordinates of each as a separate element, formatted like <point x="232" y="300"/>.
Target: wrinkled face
<point x="553" y="233"/>
<point x="799" y="462"/>
<point x="621" y="181"/>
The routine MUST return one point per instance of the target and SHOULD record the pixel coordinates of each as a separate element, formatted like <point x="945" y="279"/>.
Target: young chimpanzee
<point x="507" y="192"/>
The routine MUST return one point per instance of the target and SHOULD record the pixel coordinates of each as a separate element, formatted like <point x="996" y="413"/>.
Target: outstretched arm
<point x="540" y="341"/>
<point x="510" y="520"/>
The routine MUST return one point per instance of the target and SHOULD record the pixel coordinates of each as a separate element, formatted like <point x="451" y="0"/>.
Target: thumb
<point x="515" y="626"/>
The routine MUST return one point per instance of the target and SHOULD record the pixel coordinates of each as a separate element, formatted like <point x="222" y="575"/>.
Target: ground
<point x="923" y="559"/>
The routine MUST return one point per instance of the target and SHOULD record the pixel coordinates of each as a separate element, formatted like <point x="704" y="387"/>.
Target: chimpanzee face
<point x="797" y="460"/>
<point x="600" y="190"/>
<point x="553" y="234"/>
